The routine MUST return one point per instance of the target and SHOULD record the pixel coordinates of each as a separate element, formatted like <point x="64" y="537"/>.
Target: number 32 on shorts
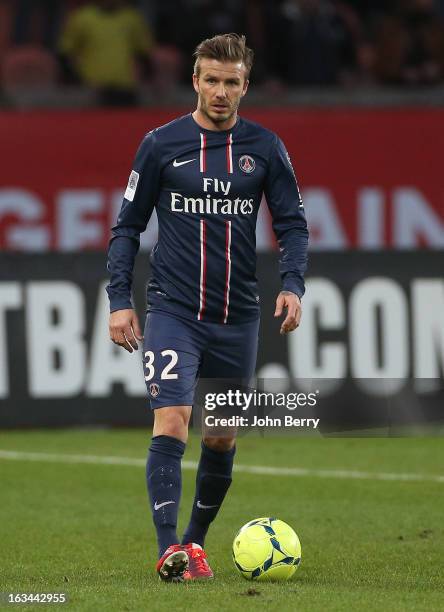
<point x="166" y="371"/>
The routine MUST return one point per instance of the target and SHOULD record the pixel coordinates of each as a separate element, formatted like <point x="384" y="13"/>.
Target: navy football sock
<point x="212" y="483"/>
<point x="164" y="481"/>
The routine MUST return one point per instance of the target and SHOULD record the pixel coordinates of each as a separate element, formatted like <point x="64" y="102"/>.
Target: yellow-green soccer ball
<point x="266" y="549"/>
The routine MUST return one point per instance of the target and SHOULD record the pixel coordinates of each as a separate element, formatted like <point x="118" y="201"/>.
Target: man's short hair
<point x="225" y="48"/>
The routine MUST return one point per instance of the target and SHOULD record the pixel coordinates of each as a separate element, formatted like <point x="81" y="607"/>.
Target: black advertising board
<point x="371" y="339"/>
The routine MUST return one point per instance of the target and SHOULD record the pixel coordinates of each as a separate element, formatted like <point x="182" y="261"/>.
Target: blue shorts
<point x="178" y="351"/>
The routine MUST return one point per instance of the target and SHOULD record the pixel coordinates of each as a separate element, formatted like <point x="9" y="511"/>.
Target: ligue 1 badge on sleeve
<point x="132" y="185"/>
<point x="247" y="164"/>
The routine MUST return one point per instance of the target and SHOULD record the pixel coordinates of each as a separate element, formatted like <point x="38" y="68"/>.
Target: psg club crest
<point x="154" y="389"/>
<point x="247" y="164"/>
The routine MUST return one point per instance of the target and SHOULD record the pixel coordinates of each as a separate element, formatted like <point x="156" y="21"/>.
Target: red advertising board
<point x="370" y="178"/>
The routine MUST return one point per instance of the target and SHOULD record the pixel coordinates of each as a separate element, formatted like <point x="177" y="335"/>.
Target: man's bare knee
<point x="172" y="421"/>
<point x="220" y="445"/>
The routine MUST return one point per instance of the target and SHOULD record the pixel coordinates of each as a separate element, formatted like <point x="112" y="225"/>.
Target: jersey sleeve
<point x="289" y="223"/>
<point x="139" y="200"/>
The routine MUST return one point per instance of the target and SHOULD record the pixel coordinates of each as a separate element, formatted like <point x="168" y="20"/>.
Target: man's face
<point x="220" y="86"/>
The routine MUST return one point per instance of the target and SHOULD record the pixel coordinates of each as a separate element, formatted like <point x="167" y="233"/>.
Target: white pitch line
<point x="243" y="469"/>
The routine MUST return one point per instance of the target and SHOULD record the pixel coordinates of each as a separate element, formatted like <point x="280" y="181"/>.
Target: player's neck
<point x="207" y="124"/>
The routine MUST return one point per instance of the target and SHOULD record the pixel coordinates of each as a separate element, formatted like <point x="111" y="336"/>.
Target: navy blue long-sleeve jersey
<point x="207" y="187"/>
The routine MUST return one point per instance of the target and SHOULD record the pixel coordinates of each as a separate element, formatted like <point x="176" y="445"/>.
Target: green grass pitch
<point x="84" y="528"/>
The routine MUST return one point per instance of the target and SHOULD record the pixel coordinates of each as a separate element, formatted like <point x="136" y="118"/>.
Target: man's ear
<point x="196" y="83"/>
<point x="244" y="91"/>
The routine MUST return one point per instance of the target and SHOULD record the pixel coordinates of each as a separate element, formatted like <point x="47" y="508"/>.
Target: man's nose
<point x="221" y="91"/>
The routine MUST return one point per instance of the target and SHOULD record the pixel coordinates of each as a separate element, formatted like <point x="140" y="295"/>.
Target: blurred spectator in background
<point x="313" y="44"/>
<point x="105" y="44"/>
<point x="108" y="45"/>
<point x="410" y="44"/>
<point x="37" y="22"/>
<point x="28" y="67"/>
<point x="180" y="23"/>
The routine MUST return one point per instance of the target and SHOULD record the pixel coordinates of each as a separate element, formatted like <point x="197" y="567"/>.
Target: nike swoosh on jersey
<point x="176" y="164"/>
<point x="202" y="507"/>
<point x="157" y="506"/>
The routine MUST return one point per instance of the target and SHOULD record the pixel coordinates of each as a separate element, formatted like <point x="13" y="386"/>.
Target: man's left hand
<point x="291" y="302"/>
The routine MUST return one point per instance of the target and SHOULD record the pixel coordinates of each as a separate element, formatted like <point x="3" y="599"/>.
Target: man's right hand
<point x="124" y="329"/>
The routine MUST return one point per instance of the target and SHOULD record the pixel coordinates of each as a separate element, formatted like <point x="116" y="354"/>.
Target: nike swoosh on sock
<point x="202" y="507"/>
<point x="157" y="506"/>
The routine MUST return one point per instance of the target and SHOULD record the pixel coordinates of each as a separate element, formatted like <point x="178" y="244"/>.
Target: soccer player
<point x="205" y="174"/>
